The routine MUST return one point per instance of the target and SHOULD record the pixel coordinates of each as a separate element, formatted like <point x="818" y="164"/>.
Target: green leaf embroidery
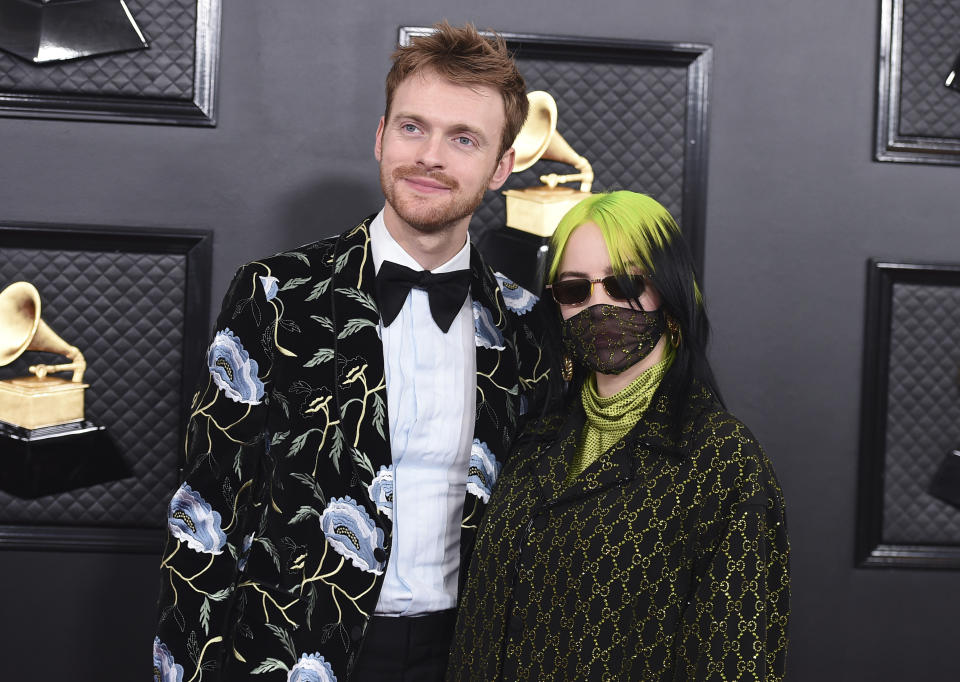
<point x="279" y="437"/>
<point x="269" y="665"/>
<point x="361" y="297"/>
<point x="222" y="594"/>
<point x="355" y="325"/>
<point x="362" y="460"/>
<point x="319" y="289"/>
<point x="311" y="483"/>
<point x="299" y="442"/>
<point x="296" y="254"/>
<point x="336" y="447"/>
<point x="294" y="283"/>
<point x="325" y="322"/>
<point x="271" y="550"/>
<point x="205" y="615"/>
<point x="305" y="512"/>
<point x="322" y="356"/>
<point x="284" y="637"/>
<point x="379" y="414"/>
<point x="236" y="462"/>
<point x="311" y="604"/>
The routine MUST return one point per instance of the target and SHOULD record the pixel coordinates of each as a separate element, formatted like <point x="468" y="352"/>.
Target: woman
<point x="641" y="534"/>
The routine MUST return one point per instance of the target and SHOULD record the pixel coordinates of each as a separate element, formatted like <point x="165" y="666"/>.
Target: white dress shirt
<point x="431" y="399"/>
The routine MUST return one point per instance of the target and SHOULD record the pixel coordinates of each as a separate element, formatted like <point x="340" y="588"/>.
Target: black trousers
<point x="406" y="648"/>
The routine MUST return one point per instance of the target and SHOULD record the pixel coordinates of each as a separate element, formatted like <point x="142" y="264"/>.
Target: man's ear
<point x="378" y="145"/>
<point x="503" y="170"/>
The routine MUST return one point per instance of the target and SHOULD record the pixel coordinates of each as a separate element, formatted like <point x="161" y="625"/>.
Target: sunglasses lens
<point x="571" y="291"/>
<point x="624" y="287"/>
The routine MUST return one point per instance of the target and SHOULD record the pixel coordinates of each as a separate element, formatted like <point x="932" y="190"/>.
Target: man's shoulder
<point x="313" y="258"/>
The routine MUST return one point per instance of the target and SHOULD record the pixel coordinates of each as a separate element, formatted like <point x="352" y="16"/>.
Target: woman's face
<point x="586" y="256"/>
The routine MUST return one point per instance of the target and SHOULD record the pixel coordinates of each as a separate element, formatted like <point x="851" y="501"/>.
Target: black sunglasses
<point x="577" y="290"/>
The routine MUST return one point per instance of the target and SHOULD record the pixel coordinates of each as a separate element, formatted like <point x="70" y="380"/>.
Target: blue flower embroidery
<point x="518" y="299"/>
<point x="311" y="668"/>
<point x="233" y="370"/>
<point x="244" y="552"/>
<point x="353" y="534"/>
<point x="484" y="469"/>
<point x="165" y="669"/>
<point x="191" y="520"/>
<point x="269" y="287"/>
<point x="487" y="333"/>
<point x="381" y="491"/>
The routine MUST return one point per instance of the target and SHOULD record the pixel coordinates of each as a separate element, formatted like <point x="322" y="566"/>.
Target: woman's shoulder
<point x="721" y="442"/>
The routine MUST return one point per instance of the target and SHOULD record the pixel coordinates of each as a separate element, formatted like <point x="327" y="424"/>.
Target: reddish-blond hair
<point x="464" y="57"/>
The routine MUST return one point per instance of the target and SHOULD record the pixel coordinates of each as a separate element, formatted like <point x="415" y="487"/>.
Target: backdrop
<point x="795" y="207"/>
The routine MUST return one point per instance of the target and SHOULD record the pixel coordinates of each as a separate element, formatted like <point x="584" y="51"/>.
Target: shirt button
<point x="379" y="555"/>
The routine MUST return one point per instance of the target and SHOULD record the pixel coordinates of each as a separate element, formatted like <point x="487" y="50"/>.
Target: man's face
<point x="439" y="151"/>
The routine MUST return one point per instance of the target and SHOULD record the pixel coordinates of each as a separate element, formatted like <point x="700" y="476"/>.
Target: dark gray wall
<point x="795" y="207"/>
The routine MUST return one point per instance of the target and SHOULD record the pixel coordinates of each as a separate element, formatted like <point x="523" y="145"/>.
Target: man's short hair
<point x="464" y="57"/>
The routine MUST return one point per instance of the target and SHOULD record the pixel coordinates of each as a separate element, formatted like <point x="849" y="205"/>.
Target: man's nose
<point x="430" y="152"/>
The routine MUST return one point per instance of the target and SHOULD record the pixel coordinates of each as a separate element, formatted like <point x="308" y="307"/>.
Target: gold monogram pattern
<point x="666" y="559"/>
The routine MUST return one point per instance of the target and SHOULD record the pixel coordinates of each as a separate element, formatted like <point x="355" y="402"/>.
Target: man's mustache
<point x="404" y="172"/>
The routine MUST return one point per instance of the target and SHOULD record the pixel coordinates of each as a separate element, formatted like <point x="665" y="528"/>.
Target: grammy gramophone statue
<point x="39" y="400"/>
<point x="46" y="444"/>
<point x="538" y="210"/>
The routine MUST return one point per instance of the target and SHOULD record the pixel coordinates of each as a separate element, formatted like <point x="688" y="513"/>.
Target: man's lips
<point x="426" y="185"/>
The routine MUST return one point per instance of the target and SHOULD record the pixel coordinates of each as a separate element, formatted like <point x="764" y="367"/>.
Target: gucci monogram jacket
<point x="665" y="560"/>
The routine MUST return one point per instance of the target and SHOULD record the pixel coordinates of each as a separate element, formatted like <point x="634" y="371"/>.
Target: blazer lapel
<point x="360" y="384"/>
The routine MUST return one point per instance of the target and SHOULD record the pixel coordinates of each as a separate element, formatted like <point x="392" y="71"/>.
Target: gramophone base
<point x="33" y="403"/>
<point x="38" y="462"/>
<point x="519" y="255"/>
<point x="538" y="210"/>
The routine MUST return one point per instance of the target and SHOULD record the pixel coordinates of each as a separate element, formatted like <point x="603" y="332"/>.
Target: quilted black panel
<point x="627" y="119"/>
<point x="923" y="413"/>
<point x="931" y="41"/>
<point x="165" y="70"/>
<point x="125" y="311"/>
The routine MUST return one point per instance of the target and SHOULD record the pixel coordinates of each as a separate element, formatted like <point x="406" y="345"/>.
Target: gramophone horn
<point x="538" y="138"/>
<point x="534" y="137"/>
<point x="22" y="329"/>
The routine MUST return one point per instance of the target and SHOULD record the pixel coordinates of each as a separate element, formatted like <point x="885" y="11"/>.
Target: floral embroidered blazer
<point x="280" y="533"/>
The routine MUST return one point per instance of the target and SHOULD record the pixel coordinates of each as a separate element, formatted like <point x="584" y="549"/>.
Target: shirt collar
<point x="384" y="247"/>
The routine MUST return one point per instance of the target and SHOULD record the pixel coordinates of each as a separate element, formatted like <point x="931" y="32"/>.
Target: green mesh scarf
<point x="610" y="419"/>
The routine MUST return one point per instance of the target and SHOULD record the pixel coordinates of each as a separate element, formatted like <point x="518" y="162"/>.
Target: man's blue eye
<point x="464" y="140"/>
<point x="409" y="127"/>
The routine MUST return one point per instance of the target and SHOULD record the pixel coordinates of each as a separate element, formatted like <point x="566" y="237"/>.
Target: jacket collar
<point x="641" y="452"/>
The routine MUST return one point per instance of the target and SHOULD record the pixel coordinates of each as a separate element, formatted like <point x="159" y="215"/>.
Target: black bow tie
<point x="445" y="290"/>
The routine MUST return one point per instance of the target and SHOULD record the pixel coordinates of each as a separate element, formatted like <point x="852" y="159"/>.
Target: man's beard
<point x="429" y="219"/>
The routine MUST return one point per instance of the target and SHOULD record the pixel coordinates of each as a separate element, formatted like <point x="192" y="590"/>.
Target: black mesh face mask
<point x="610" y="339"/>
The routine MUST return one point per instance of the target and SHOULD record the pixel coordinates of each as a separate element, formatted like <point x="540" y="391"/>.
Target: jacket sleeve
<point x="208" y="532"/>
<point x="735" y="625"/>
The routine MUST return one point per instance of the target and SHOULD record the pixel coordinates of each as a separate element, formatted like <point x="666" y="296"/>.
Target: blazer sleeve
<point x="208" y="533"/>
<point x="735" y="625"/>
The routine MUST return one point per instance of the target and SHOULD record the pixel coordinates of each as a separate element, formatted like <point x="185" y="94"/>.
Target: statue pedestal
<point x="46" y="461"/>
<point x="520" y="255"/>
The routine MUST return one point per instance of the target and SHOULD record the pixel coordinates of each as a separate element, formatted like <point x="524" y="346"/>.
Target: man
<point x="342" y="448"/>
